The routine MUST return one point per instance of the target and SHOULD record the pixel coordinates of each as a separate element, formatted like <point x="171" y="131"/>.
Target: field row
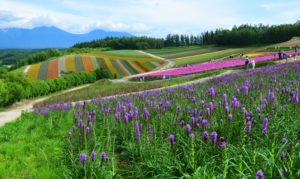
<point x="115" y="67"/>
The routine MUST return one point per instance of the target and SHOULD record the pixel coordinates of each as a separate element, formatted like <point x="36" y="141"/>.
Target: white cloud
<point x="150" y="17"/>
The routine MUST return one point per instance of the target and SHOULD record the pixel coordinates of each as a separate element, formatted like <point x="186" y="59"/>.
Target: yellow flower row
<point x="33" y="71"/>
<point x="70" y="64"/>
<point x="110" y="66"/>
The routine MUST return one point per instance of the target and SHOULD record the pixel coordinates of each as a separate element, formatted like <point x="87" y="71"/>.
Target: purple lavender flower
<point x="81" y="124"/>
<point x="205" y="135"/>
<point x="69" y="135"/>
<point x="260" y="174"/>
<point x="88" y="130"/>
<point x="104" y="156"/>
<point x="188" y="129"/>
<point x="284" y="140"/>
<point x="83" y="158"/>
<point x="146" y="113"/>
<point x="137" y="132"/>
<point x="118" y="116"/>
<point x="248" y="128"/>
<point x="182" y="123"/>
<point x="222" y="143"/>
<point x="93" y="155"/>
<point x="282" y="155"/>
<point x="192" y="135"/>
<point x="265" y="126"/>
<point x="151" y="131"/>
<point x="172" y="139"/>
<point x="214" y="137"/>
<point x="229" y="117"/>
<point x="73" y="128"/>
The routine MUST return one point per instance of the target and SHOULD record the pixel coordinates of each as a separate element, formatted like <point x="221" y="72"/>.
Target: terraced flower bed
<point x="116" y="65"/>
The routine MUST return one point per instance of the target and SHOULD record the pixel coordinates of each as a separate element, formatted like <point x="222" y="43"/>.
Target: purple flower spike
<point x="104" y="156"/>
<point x="172" y="139"/>
<point x="182" y="123"/>
<point x="83" y="158"/>
<point x="93" y="155"/>
<point x="284" y="140"/>
<point x="137" y="132"/>
<point x="205" y="135"/>
<point x="214" y="137"/>
<point x="248" y="128"/>
<point x="188" y="129"/>
<point x="260" y="174"/>
<point x="282" y="155"/>
<point x="222" y="143"/>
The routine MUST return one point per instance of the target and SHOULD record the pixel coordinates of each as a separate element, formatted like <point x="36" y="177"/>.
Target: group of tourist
<point x="246" y="59"/>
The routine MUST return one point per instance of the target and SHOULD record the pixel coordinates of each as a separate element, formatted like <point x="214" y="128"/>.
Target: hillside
<point x="117" y="63"/>
<point x="49" y="37"/>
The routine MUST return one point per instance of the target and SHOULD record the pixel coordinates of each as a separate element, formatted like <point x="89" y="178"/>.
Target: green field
<point x="209" y="56"/>
<point x="125" y="52"/>
<point x="178" y="52"/>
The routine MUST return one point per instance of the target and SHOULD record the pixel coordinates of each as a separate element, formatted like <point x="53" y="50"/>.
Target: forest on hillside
<point x="237" y="36"/>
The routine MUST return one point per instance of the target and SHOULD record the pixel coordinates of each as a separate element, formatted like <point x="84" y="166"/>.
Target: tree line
<point x="237" y="36"/>
<point x="15" y="86"/>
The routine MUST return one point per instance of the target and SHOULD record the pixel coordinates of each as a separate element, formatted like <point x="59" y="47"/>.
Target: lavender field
<point x="237" y="126"/>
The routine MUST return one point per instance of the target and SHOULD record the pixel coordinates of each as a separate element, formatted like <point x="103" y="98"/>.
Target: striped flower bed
<point x="118" y="67"/>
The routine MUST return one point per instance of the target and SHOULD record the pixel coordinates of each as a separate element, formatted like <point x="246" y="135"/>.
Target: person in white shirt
<point x="253" y="64"/>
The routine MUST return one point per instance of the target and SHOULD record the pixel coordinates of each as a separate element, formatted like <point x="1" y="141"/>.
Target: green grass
<point x="125" y="52"/>
<point x="107" y="88"/>
<point x="2" y="109"/>
<point x="32" y="147"/>
<point x="177" y="52"/>
<point x="208" y="56"/>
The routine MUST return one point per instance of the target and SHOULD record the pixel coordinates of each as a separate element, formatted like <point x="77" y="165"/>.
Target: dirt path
<point x="15" y="111"/>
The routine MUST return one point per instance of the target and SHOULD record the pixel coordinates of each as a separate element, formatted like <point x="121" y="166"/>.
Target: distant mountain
<point x="49" y="37"/>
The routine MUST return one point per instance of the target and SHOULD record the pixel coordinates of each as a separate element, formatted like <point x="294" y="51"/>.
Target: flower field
<point x="119" y="65"/>
<point x="213" y="66"/>
<point x="242" y="125"/>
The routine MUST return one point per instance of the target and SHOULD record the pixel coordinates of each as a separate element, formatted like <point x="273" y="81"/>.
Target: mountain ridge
<point x="49" y="37"/>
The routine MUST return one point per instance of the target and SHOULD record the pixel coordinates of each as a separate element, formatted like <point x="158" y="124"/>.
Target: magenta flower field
<point x="213" y="66"/>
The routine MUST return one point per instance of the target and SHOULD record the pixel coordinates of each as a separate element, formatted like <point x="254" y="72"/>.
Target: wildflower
<point x="172" y="139"/>
<point x="83" y="158"/>
<point x="230" y="117"/>
<point x="93" y="155"/>
<point x="259" y="174"/>
<point x="284" y="140"/>
<point x="282" y="155"/>
<point x="73" y="128"/>
<point x="137" y="132"/>
<point x="188" y="128"/>
<point x="265" y="126"/>
<point x="69" y="135"/>
<point x="222" y="143"/>
<point x="118" y="116"/>
<point x="81" y="124"/>
<point x="104" y="156"/>
<point x="205" y="135"/>
<point x="182" y="123"/>
<point x="151" y="133"/>
<point x="146" y="113"/>
<point x="248" y="128"/>
<point x="88" y="130"/>
<point x="214" y="136"/>
<point x="192" y="136"/>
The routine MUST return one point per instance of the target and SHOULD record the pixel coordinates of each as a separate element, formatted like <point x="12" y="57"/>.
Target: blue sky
<point x="146" y="17"/>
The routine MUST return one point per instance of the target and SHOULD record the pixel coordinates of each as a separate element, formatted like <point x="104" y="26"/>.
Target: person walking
<point x="246" y="62"/>
<point x="253" y="64"/>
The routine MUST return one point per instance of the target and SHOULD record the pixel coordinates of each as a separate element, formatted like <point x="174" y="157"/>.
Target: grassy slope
<point x="32" y="147"/>
<point x="177" y="52"/>
<point x="125" y="52"/>
<point x="208" y="56"/>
